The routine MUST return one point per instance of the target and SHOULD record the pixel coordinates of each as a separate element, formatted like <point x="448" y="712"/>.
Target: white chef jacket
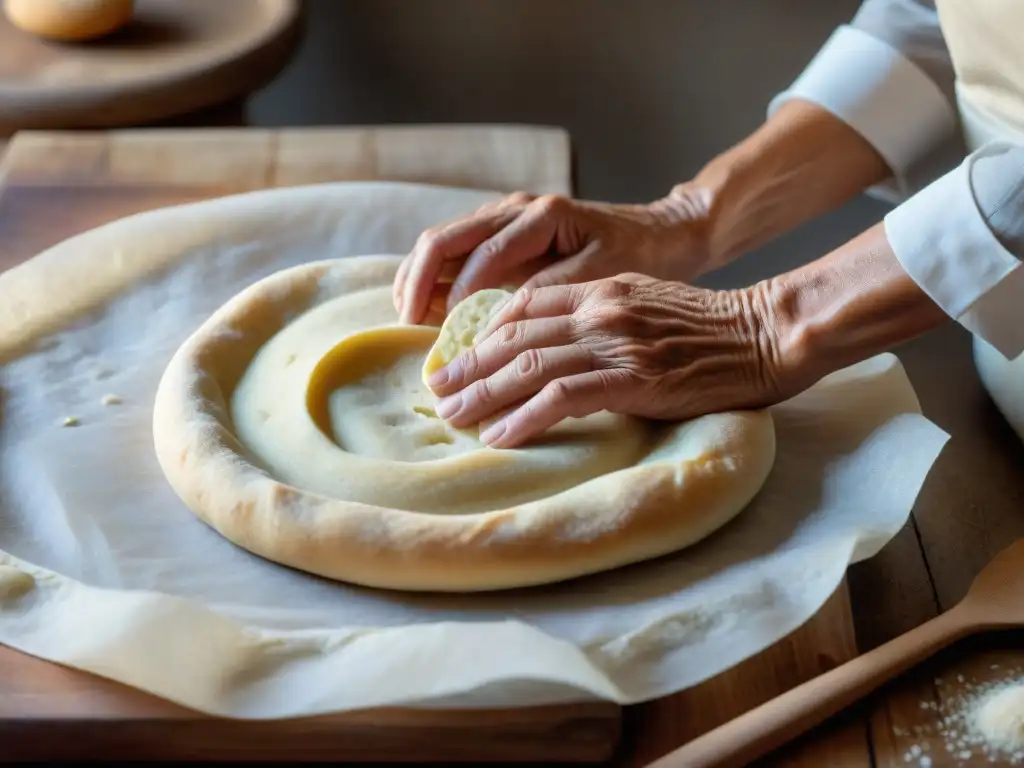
<point x="958" y="229"/>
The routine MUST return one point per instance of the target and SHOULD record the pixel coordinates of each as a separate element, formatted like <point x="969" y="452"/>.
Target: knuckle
<point x="614" y="288"/>
<point x="612" y="380"/>
<point x="628" y="279"/>
<point x="429" y="239"/>
<point x="520" y="302"/>
<point x="529" y="363"/>
<point x="469" y="362"/>
<point x="638" y="358"/>
<point x="556" y="393"/>
<point x="483" y="391"/>
<point x="552" y="205"/>
<point x="602" y="292"/>
<point x="519" y="198"/>
<point x="510" y="334"/>
<point x="616" y="318"/>
<point x="488" y="249"/>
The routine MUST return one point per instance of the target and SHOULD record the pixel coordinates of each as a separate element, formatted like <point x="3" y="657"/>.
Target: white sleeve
<point x="888" y="75"/>
<point x="960" y="235"/>
<point x="962" y="240"/>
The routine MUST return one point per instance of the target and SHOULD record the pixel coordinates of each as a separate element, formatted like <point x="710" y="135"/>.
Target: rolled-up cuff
<point x="882" y="95"/>
<point x="942" y="241"/>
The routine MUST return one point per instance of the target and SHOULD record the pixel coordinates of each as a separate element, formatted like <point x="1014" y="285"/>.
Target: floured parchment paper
<point x="122" y="580"/>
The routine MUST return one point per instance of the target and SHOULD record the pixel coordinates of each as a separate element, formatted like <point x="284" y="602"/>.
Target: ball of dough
<point x="69" y="20"/>
<point x="296" y="423"/>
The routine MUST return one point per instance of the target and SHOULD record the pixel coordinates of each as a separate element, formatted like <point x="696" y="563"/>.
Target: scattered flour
<point x="999" y="717"/>
<point x="984" y="721"/>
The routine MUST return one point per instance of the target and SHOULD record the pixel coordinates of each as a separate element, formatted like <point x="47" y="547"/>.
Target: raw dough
<point x="69" y="20"/>
<point x="14" y="584"/>
<point x="343" y="375"/>
<point x="459" y="330"/>
<point x="253" y="410"/>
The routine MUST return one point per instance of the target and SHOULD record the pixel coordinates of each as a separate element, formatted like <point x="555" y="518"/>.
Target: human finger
<point x="511" y="204"/>
<point x="525" y="304"/>
<point x="494" y="352"/>
<point x="398" y="282"/>
<point x="520" y="379"/>
<point x="520" y="199"/>
<point x="436" y="246"/>
<point x="437" y="308"/>
<point x="569" y="397"/>
<point x="528" y="237"/>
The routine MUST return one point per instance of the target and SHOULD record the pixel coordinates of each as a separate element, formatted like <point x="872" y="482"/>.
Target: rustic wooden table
<point x="54" y="185"/>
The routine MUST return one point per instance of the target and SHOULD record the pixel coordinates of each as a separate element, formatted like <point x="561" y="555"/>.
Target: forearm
<point x="845" y="307"/>
<point x="801" y="163"/>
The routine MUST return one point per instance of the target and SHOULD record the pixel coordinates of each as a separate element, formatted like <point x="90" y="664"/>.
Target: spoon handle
<point x="778" y="721"/>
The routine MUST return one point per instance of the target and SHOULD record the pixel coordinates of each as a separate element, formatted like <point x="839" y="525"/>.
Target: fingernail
<point x="493" y="433"/>
<point x="449" y="405"/>
<point x="438" y="378"/>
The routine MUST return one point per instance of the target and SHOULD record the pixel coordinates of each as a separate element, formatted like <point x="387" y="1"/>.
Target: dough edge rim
<point x="388" y="548"/>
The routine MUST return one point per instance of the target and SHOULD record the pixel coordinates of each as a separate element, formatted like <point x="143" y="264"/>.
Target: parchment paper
<point x="129" y="585"/>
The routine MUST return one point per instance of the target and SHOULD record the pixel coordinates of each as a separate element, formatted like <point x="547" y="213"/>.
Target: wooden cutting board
<point x="175" y="57"/>
<point x="55" y="185"/>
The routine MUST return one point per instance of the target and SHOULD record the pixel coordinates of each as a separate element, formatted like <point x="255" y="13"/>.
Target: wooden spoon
<point x="994" y="601"/>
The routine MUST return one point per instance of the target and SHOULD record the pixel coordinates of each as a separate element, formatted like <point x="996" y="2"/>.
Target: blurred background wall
<point x="648" y="89"/>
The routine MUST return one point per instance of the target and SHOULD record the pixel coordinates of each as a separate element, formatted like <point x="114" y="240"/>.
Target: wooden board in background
<point x="56" y="185"/>
<point x="175" y="57"/>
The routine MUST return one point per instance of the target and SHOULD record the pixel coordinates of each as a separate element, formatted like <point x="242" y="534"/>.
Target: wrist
<point x="801" y="163"/>
<point x="684" y="213"/>
<point x="850" y="305"/>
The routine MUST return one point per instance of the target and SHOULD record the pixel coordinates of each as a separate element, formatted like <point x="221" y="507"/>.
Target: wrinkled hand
<point x="629" y="344"/>
<point x="542" y="241"/>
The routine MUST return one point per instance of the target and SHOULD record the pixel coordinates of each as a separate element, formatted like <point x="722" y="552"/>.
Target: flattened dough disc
<point x="296" y="422"/>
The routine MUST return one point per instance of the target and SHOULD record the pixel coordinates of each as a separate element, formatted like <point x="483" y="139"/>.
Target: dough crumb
<point x="14" y="583"/>
<point x="71" y="421"/>
<point x="112" y="400"/>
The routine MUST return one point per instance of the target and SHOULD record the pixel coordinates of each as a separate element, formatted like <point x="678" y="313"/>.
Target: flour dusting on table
<point x="984" y="720"/>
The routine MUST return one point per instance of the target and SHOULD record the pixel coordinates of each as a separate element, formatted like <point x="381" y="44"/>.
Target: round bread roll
<point x="69" y="20"/>
<point x="295" y="421"/>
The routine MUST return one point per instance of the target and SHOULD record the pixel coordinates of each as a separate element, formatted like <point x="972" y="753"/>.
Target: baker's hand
<point x="541" y="241"/>
<point x="629" y="344"/>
